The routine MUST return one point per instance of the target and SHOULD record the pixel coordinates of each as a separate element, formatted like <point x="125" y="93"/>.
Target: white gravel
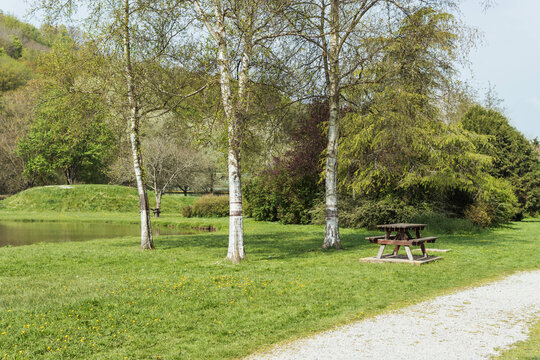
<point x="470" y="324"/>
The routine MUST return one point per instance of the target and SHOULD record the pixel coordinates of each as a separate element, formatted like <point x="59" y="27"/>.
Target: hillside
<point x="29" y="36"/>
<point x="107" y="198"/>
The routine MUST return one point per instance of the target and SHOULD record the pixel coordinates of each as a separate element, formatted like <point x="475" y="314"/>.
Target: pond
<point x="16" y="233"/>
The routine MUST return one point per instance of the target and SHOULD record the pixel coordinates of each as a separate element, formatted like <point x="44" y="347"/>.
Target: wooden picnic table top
<point x="401" y="226"/>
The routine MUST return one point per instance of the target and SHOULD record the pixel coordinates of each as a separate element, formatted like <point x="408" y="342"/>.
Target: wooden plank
<point x="409" y="253"/>
<point x="381" y="251"/>
<point x="400" y="259"/>
<point x="401" y="226"/>
<point x="423" y="248"/>
<point x="435" y="250"/>
<point x="413" y="242"/>
<point x="374" y="239"/>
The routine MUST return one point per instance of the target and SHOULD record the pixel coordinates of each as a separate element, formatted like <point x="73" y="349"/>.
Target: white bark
<point x="236" y="250"/>
<point x="147" y="242"/>
<point x="331" y="231"/>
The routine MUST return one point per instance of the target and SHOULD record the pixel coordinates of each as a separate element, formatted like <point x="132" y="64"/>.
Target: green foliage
<point x="397" y="143"/>
<point x="187" y="211"/>
<point x="370" y="213"/>
<point x="479" y="214"/>
<point x="88" y="198"/>
<point x="70" y="134"/>
<point x="15" y="49"/>
<point x="288" y="188"/>
<point x="279" y="196"/>
<point x="514" y="157"/>
<point x="396" y="153"/>
<point x="208" y="206"/>
<point x="498" y="199"/>
<point x="13" y="74"/>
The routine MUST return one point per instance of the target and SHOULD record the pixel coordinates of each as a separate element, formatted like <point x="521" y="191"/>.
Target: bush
<point x="369" y="213"/>
<point x="187" y="211"/>
<point x="479" y="214"/>
<point x="13" y="74"/>
<point x="278" y="196"/>
<point x="208" y="206"/>
<point x="497" y="200"/>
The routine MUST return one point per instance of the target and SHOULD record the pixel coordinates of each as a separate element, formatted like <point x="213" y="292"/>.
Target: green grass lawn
<point x="106" y="299"/>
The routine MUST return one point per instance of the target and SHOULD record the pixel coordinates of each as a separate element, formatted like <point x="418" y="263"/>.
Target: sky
<point x="507" y="58"/>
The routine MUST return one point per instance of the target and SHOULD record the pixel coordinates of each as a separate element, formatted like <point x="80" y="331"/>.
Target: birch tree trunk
<point x="147" y="243"/>
<point x="236" y="250"/>
<point x="235" y="111"/>
<point x="331" y="230"/>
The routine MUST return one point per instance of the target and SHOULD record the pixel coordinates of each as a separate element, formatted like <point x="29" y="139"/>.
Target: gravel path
<point x="469" y="324"/>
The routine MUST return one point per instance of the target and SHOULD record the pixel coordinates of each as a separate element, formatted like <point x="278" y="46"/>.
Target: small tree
<point x="166" y="163"/>
<point x="69" y="135"/>
<point x="15" y="48"/>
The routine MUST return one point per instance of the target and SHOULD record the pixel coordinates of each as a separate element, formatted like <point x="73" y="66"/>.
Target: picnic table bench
<point x="402" y="237"/>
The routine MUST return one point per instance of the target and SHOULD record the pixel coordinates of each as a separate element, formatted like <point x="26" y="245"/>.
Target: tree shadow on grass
<point x="295" y="243"/>
<point x="279" y="245"/>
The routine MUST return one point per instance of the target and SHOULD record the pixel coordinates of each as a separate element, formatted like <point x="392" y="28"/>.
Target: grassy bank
<point x="89" y="198"/>
<point x="106" y="299"/>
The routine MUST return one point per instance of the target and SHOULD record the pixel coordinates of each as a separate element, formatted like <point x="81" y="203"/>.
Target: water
<point x="16" y="233"/>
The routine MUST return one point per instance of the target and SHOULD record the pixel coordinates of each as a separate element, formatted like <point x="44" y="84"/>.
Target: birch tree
<point x="342" y="37"/>
<point x="242" y="24"/>
<point x="131" y="33"/>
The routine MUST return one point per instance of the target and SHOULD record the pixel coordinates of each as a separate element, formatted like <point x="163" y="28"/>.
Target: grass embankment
<point x="88" y="198"/>
<point x="106" y="299"/>
<point x="96" y="203"/>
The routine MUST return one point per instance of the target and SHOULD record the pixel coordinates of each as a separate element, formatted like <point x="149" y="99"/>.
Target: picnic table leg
<point x="396" y="249"/>
<point x="409" y="254"/>
<point x="381" y="251"/>
<point x="424" y="252"/>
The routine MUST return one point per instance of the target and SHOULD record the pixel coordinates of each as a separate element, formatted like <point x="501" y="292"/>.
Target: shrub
<point x="369" y="213"/>
<point x="278" y="196"/>
<point x="13" y="74"/>
<point x="498" y="200"/>
<point x="208" y="206"/>
<point x="187" y="211"/>
<point x="479" y="214"/>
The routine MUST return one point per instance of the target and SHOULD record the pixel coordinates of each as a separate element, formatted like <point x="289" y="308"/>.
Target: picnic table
<point x="402" y="237"/>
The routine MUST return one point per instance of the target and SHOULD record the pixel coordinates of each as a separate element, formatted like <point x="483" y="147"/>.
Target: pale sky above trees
<point x="507" y="57"/>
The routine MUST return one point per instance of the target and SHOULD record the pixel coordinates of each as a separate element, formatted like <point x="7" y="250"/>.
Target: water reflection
<point x="16" y="233"/>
